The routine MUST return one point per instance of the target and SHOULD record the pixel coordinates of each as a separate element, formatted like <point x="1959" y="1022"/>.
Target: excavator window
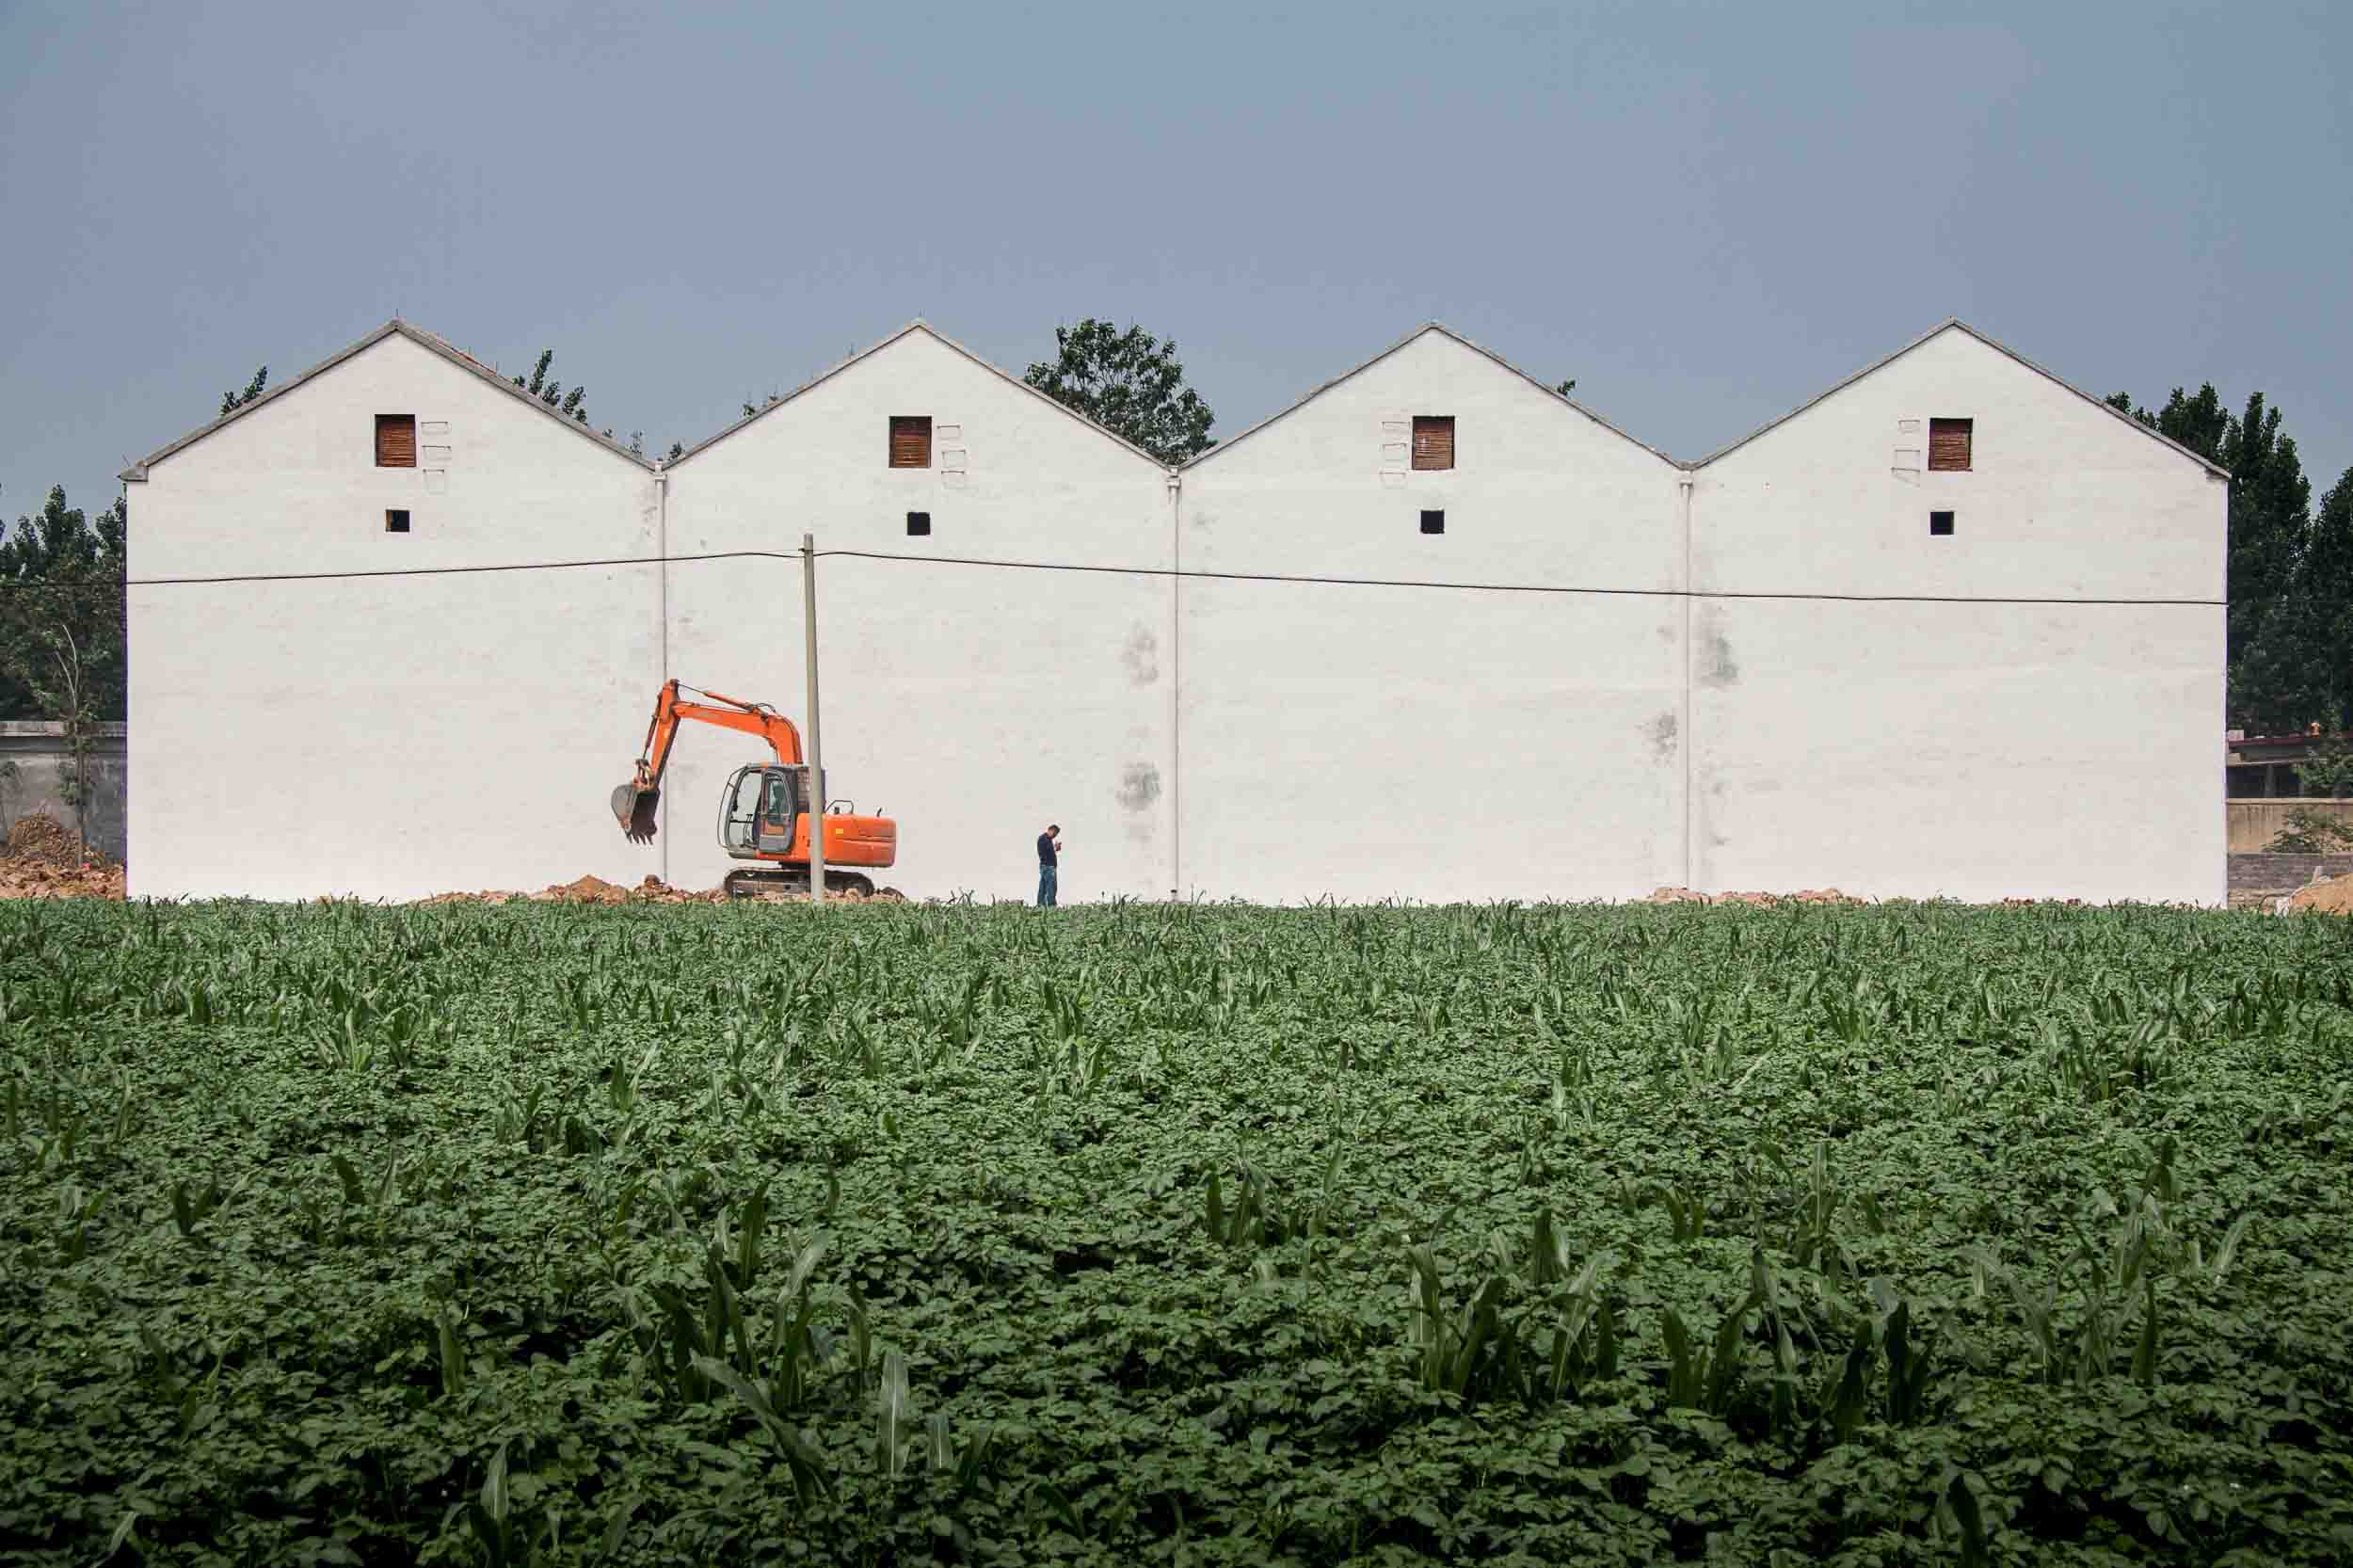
<point x="739" y="812"/>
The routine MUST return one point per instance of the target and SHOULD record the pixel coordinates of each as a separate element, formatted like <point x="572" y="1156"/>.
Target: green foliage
<point x="2310" y="830"/>
<point x="1566" y="387"/>
<point x="1132" y="384"/>
<point x="2327" y="769"/>
<point x="557" y="1235"/>
<point x="551" y="391"/>
<point x="62" y="646"/>
<point x="2289" y="637"/>
<point x="232" y="401"/>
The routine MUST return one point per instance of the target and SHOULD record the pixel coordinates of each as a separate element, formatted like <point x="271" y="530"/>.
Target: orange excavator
<point x="767" y="810"/>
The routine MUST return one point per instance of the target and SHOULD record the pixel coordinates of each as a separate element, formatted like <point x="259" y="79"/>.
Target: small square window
<point x="395" y="522"/>
<point x="1939" y="523"/>
<point x="919" y="525"/>
<point x="1433" y="523"/>
<point x="911" y="441"/>
<point x="1949" y="444"/>
<point x="1434" y="440"/>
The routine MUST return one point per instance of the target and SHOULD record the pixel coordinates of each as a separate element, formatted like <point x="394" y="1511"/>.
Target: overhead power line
<point x="1190" y="574"/>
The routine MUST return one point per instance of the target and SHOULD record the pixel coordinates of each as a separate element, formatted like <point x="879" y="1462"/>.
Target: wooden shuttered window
<point x="1434" y="440"/>
<point x="911" y="442"/>
<point x="1949" y="443"/>
<point x="396" y="440"/>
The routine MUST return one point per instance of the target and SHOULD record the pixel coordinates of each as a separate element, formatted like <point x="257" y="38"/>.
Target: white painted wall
<point x="1974" y="751"/>
<point x="1373" y="743"/>
<point x="972" y="705"/>
<point x="397" y="737"/>
<point x="386" y="738"/>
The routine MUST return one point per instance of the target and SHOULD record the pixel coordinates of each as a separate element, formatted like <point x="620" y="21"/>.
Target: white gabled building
<point x="1543" y="659"/>
<point x="1450" y="742"/>
<point x="385" y="736"/>
<point x="1924" y="737"/>
<point x="974" y="705"/>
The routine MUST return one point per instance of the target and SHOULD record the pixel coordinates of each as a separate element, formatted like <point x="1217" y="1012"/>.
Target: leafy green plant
<point x="2310" y="830"/>
<point x="1912" y="1233"/>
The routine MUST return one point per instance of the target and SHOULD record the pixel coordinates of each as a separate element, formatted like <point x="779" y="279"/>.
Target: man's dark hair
<point x="1053" y="827"/>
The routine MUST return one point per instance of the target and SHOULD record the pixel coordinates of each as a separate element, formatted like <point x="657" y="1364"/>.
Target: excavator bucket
<point x="633" y="807"/>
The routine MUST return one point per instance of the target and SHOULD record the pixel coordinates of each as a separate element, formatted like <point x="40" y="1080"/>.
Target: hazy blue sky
<point x="1707" y="213"/>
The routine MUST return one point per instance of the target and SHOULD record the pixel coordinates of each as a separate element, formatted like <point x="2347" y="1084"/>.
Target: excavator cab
<point x="759" y="811"/>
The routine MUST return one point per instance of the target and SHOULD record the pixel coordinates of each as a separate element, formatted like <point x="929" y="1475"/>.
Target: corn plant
<point x="894" y="1418"/>
<point x="1701" y="1376"/>
<point x="1469" y="1352"/>
<point x="192" y="1207"/>
<point x="76" y="1212"/>
<point x="1584" y="1336"/>
<point x="1259" y="1217"/>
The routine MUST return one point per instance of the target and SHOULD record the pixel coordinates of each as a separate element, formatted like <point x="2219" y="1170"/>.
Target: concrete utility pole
<point x="816" y="747"/>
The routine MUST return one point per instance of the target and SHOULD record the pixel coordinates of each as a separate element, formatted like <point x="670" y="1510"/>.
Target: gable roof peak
<point x="1415" y="336"/>
<point x="394" y="327"/>
<point x="917" y="325"/>
<point x="1952" y="324"/>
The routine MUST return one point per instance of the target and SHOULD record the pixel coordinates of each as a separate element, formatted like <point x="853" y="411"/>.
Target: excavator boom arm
<point x="633" y="803"/>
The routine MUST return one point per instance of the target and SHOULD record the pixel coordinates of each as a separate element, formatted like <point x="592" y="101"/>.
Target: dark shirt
<point x="1046" y="849"/>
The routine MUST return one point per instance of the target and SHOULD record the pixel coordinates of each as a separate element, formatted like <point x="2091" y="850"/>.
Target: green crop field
<point x="1156" y="1233"/>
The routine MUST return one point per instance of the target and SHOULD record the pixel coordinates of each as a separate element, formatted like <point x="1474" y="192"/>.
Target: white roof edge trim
<point x="1424" y="330"/>
<point x="137" y="473"/>
<point x="1954" y="324"/>
<point x="917" y="324"/>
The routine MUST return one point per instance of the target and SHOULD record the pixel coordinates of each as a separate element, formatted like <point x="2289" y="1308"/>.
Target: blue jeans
<point x="1046" y="887"/>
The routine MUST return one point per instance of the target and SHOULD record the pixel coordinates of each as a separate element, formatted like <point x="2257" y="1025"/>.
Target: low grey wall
<point x="36" y="776"/>
<point x="2253" y="822"/>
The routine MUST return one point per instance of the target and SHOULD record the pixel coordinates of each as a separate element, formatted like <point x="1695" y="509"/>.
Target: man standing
<point x="1048" y="857"/>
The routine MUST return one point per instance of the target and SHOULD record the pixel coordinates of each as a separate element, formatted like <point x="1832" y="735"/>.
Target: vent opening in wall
<point x="1949" y="444"/>
<point x="1434" y="440"/>
<point x="396" y="440"/>
<point x="911" y="441"/>
<point x="1939" y="523"/>
<point x="395" y="522"/>
<point x="919" y="525"/>
<point x="1433" y="523"/>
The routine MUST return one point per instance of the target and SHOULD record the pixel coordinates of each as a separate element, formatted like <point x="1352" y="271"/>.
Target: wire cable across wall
<point x="1189" y="574"/>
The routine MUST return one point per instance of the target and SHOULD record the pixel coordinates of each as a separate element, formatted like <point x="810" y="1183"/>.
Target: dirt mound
<point x="1809" y="895"/>
<point x="2332" y="896"/>
<point x="851" y="895"/>
<point x="596" y="889"/>
<point x="41" y="836"/>
<point x="47" y="879"/>
<point x="586" y="889"/>
<point x="654" y="891"/>
<point x="42" y="858"/>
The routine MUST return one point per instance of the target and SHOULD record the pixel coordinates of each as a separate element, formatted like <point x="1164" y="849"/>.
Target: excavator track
<point x="749" y="884"/>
